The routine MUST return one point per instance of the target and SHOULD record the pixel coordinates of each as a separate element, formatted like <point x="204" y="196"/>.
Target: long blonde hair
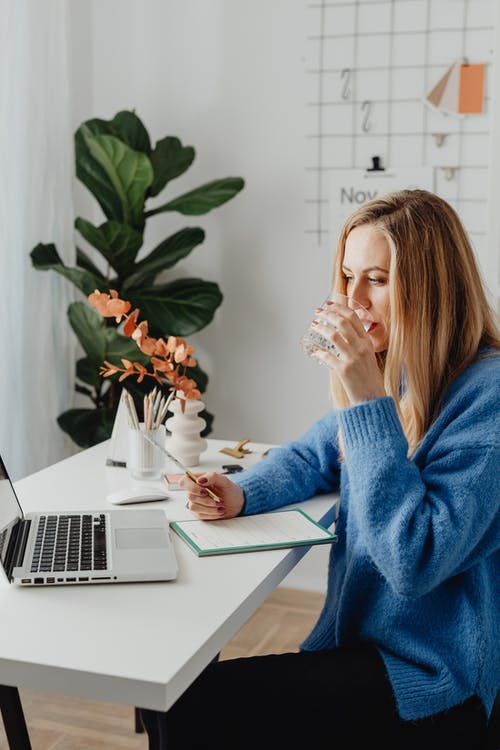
<point x="439" y="312"/>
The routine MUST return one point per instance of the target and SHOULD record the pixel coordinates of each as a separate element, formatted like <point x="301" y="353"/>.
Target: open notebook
<point x="263" y="531"/>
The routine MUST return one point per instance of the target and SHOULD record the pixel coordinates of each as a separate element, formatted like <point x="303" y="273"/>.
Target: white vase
<point x="185" y="441"/>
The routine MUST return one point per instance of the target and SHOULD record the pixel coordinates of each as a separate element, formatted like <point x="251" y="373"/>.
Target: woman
<point x="406" y="646"/>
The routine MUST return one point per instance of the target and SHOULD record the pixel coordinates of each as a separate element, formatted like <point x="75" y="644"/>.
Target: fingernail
<point x="203" y="492"/>
<point x="221" y="510"/>
<point x="202" y="480"/>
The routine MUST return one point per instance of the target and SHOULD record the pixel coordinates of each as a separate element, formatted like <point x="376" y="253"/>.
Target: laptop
<point x="73" y="547"/>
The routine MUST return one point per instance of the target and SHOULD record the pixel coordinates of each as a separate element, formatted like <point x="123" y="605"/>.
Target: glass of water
<point x="312" y="340"/>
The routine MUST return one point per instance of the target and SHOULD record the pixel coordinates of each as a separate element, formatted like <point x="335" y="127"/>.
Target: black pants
<point x="328" y="699"/>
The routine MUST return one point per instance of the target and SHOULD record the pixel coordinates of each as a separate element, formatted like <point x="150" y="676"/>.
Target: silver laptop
<point x="110" y="546"/>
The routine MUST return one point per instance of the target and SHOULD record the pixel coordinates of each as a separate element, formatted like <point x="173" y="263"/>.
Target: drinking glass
<point x="312" y="340"/>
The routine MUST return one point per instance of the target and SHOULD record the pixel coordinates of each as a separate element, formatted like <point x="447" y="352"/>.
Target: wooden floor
<point x="60" y="723"/>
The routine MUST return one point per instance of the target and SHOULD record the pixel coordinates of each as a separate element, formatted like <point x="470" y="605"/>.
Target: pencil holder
<point x="145" y="460"/>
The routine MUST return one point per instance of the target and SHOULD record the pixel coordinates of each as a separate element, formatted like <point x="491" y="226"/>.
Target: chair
<point x="493" y="735"/>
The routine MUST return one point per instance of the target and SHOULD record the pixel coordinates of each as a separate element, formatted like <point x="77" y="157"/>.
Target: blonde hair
<point x="439" y="312"/>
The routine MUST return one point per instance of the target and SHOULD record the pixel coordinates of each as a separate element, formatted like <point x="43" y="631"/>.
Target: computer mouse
<point x="135" y="495"/>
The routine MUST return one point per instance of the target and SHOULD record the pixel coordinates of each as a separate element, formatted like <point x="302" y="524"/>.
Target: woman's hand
<point x="231" y="497"/>
<point x="354" y="362"/>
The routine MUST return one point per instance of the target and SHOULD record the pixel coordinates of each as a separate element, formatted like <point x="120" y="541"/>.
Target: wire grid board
<point x="369" y="66"/>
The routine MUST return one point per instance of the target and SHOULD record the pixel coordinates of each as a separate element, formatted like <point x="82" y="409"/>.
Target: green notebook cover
<point x="262" y="531"/>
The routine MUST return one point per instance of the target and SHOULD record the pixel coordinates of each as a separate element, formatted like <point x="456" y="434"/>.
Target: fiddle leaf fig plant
<point x="118" y="164"/>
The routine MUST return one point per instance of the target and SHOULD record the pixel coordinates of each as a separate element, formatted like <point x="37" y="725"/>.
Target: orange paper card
<point x="471" y="96"/>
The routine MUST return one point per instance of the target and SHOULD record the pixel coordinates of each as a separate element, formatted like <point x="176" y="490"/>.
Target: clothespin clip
<point x="440" y="138"/>
<point x="449" y="172"/>
<point x="238" y="451"/>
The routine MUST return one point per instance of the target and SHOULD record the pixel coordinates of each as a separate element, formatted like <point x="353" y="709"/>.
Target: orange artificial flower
<point x="129" y="326"/>
<point x="169" y="359"/>
<point x="109" y="305"/>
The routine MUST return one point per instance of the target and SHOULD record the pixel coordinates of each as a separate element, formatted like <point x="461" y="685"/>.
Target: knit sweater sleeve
<point x="427" y="518"/>
<point x="295" y="471"/>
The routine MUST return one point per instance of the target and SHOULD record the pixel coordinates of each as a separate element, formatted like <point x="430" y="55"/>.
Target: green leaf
<point x="202" y="199"/>
<point x="131" y="129"/>
<point x="129" y="174"/>
<point x="169" y="159"/>
<point x="88" y="372"/>
<point x="100" y="341"/>
<point x="92" y="174"/>
<point x="87" y="427"/>
<point x="90" y="330"/>
<point x="178" y="308"/>
<point x="46" y="257"/>
<point x="165" y="255"/>
<point x="136" y="281"/>
<point x="83" y="261"/>
<point x="118" y="243"/>
<point x="96" y="126"/>
<point x="84" y="391"/>
<point x="125" y="125"/>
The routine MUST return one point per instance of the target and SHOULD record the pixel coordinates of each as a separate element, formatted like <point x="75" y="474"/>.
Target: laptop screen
<point x="10" y="514"/>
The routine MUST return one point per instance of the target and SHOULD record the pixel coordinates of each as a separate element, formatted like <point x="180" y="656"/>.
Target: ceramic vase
<point x="185" y="441"/>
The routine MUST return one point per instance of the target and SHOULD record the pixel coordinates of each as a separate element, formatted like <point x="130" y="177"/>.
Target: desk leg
<point x="13" y="719"/>
<point x="151" y="722"/>
<point x="138" y="725"/>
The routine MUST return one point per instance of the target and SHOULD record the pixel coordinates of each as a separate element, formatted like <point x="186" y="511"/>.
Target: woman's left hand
<point x="354" y="361"/>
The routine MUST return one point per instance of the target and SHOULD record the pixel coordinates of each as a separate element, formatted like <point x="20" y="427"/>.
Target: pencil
<point x="131" y="409"/>
<point x="195" y="480"/>
<point x="181" y="466"/>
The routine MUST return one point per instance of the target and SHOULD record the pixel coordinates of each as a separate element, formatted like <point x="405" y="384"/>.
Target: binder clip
<point x="231" y="468"/>
<point x="238" y="451"/>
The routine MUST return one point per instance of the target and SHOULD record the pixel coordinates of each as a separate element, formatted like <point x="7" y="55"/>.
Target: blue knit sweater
<point x="416" y="570"/>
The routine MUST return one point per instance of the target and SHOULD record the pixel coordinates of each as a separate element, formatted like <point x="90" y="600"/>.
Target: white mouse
<point x="135" y="495"/>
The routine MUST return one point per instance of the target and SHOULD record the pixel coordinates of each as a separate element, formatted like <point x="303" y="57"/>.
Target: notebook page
<point x="267" y="529"/>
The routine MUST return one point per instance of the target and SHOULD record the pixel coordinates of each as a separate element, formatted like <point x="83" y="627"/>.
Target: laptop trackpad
<point x="140" y="538"/>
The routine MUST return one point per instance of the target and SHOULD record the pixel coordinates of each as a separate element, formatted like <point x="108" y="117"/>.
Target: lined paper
<point x="248" y="533"/>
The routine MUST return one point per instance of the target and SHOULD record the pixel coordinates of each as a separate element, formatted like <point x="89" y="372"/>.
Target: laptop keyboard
<point x="70" y="542"/>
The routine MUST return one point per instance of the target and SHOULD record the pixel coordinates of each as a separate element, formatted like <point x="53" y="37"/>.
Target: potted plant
<point x="117" y="163"/>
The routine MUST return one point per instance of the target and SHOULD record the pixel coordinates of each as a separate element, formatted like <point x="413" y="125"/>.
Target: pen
<point x="176" y="461"/>
<point x="209" y="492"/>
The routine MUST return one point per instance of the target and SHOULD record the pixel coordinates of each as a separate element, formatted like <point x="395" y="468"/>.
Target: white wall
<point x="227" y="78"/>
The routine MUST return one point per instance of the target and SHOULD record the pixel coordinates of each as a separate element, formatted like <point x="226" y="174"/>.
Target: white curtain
<point x="36" y="169"/>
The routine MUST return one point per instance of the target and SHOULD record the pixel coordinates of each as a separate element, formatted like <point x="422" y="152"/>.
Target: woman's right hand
<point x="206" y="508"/>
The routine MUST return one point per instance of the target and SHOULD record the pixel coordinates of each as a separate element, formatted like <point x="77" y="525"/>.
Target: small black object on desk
<point x="231" y="468"/>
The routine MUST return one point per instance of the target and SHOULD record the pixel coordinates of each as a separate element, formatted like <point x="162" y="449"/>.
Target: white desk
<point x="136" y="644"/>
